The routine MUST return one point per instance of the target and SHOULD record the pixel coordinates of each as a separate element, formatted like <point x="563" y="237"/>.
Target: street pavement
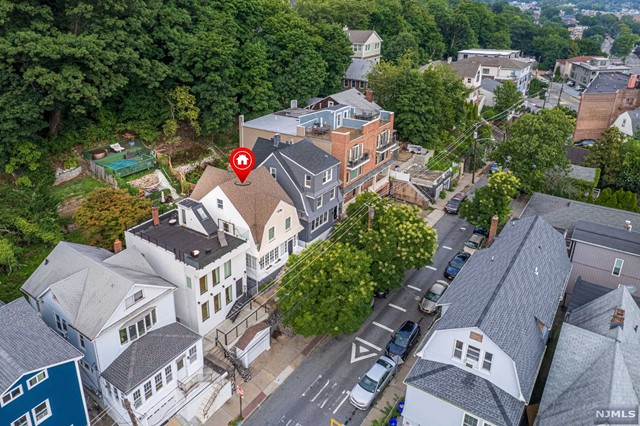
<point x="570" y="98"/>
<point x="318" y="390"/>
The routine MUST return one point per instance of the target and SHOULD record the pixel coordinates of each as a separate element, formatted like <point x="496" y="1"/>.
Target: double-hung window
<point x="42" y="412"/>
<point x="473" y="353"/>
<point x="216" y="276"/>
<point x="228" y="295"/>
<point x="203" y="284"/>
<point x="81" y="339"/>
<point x="327" y="176"/>
<point x="469" y="420"/>
<point x="168" y="374"/>
<point x="287" y="224"/>
<point x="137" y="399"/>
<point x="148" y="390"/>
<point x="205" y="311"/>
<point x="227" y="269"/>
<point x="216" y="303"/>
<point x="193" y="354"/>
<point x="457" y="350"/>
<point x="319" y="202"/>
<point x="272" y="233"/>
<point x="307" y="181"/>
<point x="61" y="324"/>
<point x="22" y="421"/>
<point x="274" y="172"/>
<point x="617" y="267"/>
<point x="332" y="194"/>
<point x="11" y="395"/>
<point x="158" y="380"/>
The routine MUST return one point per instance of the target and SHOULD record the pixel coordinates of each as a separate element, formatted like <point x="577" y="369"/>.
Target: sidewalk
<point x="464" y="184"/>
<point x="268" y="372"/>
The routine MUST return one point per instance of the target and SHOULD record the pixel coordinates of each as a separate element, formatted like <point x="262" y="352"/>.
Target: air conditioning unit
<point x="471" y="363"/>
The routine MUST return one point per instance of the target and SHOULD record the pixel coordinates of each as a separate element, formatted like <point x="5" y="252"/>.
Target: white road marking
<point x="413" y="288"/>
<point x="342" y="402"/>
<point x="311" y="385"/>
<point x="397" y="307"/>
<point x="329" y="395"/>
<point x="325" y="385"/>
<point x="368" y="343"/>
<point x="384" y="327"/>
<point x="463" y="229"/>
<point x="432" y="268"/>
<point x="355" y="349"/>
<point x="447" y="247"/>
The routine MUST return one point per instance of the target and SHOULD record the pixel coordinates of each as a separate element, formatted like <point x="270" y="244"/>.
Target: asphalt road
<point x="318" y="390"/>
<point x="570" y="98"/>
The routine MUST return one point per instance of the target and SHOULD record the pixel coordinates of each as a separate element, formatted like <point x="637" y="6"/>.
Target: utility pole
<point x="369" y="217"/>
<point x="127" y="406"/>
<point x="560" y="95"/>
<point x="473" y="164"/>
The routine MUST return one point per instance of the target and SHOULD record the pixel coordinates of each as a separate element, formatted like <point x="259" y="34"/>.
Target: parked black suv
<point x="403" y="340"/>
<point x="453" y="206"/>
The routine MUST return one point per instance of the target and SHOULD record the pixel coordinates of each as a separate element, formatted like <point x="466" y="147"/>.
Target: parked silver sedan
<point x="430" y="300"/>
<point x="372" y="383"/>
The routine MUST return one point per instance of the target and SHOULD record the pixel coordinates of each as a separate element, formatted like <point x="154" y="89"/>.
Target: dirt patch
<point x="68" y="207"/>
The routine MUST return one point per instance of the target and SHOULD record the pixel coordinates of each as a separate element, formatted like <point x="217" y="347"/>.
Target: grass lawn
<point x="10" y="284"/>
<point x="80" y="186"/>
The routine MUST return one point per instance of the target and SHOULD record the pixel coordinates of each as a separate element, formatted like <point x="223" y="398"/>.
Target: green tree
<point x="624" y="44"/>
<point x="105" y="213"/>
<point x="330" y="293"/>
<point x="183" y="108"/>
<point x="629" y="176"/>
<point x="507" y="97"/>
<point x="607" y="154"/>
<point x="492" y="199"/>
<point x="589" y="46"/>
<point x="621" y="199"/>
<point x="398" y="239"/>
<point x="24" y="160"/>
<point x="536" y="146"/>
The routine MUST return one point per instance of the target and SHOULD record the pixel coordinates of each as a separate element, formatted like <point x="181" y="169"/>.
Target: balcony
<point x="357" y="162"/>
<point x="386" y="146"/>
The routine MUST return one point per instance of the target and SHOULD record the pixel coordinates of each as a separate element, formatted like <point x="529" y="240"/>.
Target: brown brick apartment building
<point x="603" y="101"/>
<point x="346" y="125"/>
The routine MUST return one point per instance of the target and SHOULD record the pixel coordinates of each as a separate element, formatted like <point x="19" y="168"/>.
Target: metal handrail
<point x="193" y="382"/>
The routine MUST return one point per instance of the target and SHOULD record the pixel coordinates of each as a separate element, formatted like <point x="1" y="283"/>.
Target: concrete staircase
<point x="207" y="404"/>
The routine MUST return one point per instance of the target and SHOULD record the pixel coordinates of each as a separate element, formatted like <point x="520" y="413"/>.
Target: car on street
<point x="403" y="340"/>
<point x="570" y="83"/>
<point x="480" y="230"/>
<point x="579" y="88"/>
<point x="428" y="304"/>
<point x="476" y="242"/>
<point x="380" y="294"/>
<point x="455" y="264"/>
<point x="586" y="142"/>
<point x="372" y="383"/>
<point x="453" y="206"/>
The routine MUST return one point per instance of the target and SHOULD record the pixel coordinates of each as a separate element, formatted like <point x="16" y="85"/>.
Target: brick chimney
<point x="155" y="215"/>
<point x="493" y="229"/>
<point x="369" y="95"/>
<point x="633" y="79"/>
<point x="117" y="246"/>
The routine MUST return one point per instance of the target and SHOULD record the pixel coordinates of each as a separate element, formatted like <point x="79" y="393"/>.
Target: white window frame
<point x="227" y="265"/>
<point x="485" y="361"/>
<point x="137" y="402"/>
<point x="38" y="381"/>
<point x="148" y="393"/>
<point x="332" y="194"/>
<point x="458" y="349"/>
<point x="168" y="374"/>
<point x="274" y="172"/>
<point x="193" y="353"/>
<point x="131" y="300"/>
<point x="615" y="262"/>
<point x="219" y="203"/>
<point x="158" y="383"/>
<point x="467" y="415"/>
<point x="81" y="341"/>
<point x="319" y="201"/>
<point x="473" y="350"/>
<point x="153" y="319"/>
<point x="61" y="324"/>
<point x="287" y="223"/>
<point x="327" y="176"/>
<point x="307" y="181"/>
<point x="269" y="233"/>
<point x="24" y="416"/>
<point x="10" y="392"/>
<point x="49" y="414"/>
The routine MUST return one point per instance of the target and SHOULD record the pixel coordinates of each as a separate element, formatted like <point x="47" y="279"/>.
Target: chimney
<point x="633" y="79"/>
<point x="617" y="320"/>
<point x="369" y="95"/>
<point x="627" y="225"/>
<point x="294" y="103"/>
<point x="155" y="215"/>
<point x="276" y="139"/>
<point x="449" y="59"/>
<point x="117" y="246"/>
<point x="493" y="229"/>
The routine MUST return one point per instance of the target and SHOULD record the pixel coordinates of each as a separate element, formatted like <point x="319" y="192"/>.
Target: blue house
<point x="39" y="376"/>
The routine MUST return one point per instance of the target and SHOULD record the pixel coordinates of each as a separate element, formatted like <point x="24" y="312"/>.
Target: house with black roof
<point x="481" y="358"/>
<point x="310" y="177"/>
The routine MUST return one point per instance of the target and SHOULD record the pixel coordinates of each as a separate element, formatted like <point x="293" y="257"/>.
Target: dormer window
<point x="487" y="361"/>
<point x="327" y="176"/>
<point x="307" y="181"/>
<point x="473" y="353"/>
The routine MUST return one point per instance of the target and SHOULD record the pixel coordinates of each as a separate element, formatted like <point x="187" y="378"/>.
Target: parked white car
<point x="372" y="383"/>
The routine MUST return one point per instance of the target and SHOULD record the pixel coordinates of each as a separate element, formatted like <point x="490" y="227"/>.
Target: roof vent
<point x="195" y="253"/>
<point x="618" y="318"/>
<point x="492" y="257"/>
<point x="222" y="238"/>
<point x="627" y="225"/>
<point x="536" y="270"/>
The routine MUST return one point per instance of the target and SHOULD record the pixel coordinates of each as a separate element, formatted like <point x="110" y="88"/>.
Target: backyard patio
<point x="122" y="159"/>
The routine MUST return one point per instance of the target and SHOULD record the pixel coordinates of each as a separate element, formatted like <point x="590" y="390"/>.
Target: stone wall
<point x="63" y="176"/>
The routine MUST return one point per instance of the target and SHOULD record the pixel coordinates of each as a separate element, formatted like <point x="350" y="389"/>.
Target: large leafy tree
<point x="105" y="214"/>
<point x="507" y="97"/>
<point x="492" y="199"/>
<point x="536" y="146"/>
<point x="326" y="289"/>
<point x="629" y="176"/>
<point x="607" y="154"/>
<point x="394" y="236"/>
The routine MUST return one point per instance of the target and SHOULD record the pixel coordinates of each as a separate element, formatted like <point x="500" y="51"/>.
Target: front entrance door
<point x="239" y="289"/>
<point x="290" y="242"/>
<point x="182" y="369"/>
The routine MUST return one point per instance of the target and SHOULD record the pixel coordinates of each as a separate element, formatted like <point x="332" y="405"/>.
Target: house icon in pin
<point x="242" y="160"/>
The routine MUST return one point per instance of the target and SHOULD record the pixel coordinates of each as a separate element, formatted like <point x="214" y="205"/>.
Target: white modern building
<point x="490" y="53"/>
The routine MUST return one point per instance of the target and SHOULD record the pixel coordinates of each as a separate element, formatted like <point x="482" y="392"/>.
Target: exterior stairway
<point x="204" y="409"/>
<point x="237" y="307"/>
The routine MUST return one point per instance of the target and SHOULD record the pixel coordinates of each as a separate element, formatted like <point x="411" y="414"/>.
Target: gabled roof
<point x="465" y="69"/>
<point x="634" y="117"/>
<point x="586" y="174"/>
<point x="27" y="344"/>
<point x="359" y="69"/>
<point x="90" y="283"/>
<point x="576" y="155"/>
<point x="490" y="84"/>
<point x="355" y="99"/>
<point x="505" y="290"/>
<point x="147" y="355"/>
<point x="255" y="200"/>
<point x="360" y="36"/>
<point x="563" y="214"/>
<point x="585" y="292"/>
<point x="607" y="236"/>
<point x="594" y="365"/>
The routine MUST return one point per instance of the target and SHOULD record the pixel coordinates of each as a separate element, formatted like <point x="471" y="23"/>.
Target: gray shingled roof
<point x="563" y="214"/>
<point x="490" y="84"/>
<point x="585" y="292"/>
<point x="504" y="63"/>
<point x="356" y="99"/>
<point x="90" y="283"/>
<point x="504" y="290"/>
<point x="359" y="69"/>
<point x="465" y="69"/>
<point x="607" y="236"/>
<point x="474" y="394"/>
<point x="27" y="344"/>
<point x="359" y="36"/>
<point x="594" y="366"/>
<point x="303" y="153"/>
<point x="607" y="83"/>
<point x="575" y="154"/>
<point x="587" y="174"/>
<point x="144" y="357"/>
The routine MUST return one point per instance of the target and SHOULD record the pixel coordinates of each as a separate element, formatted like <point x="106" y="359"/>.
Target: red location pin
<point x="242" y="161"/>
